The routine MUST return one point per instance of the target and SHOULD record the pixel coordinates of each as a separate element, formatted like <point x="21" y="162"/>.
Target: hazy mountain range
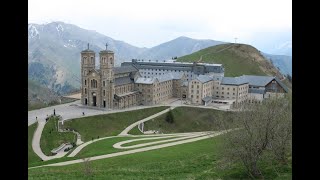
<point x="54" y="52"/>
<point x="282" y="62"/>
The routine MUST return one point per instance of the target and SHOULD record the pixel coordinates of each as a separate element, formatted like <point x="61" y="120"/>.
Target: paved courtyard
<point x="75" y="109"/>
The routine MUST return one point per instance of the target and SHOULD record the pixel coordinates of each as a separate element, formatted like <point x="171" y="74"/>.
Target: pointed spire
<point x="88" y="46"/>
<point x="106" y="46"/>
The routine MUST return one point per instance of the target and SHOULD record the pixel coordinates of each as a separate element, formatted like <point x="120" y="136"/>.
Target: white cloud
<point x="150" y="22"/>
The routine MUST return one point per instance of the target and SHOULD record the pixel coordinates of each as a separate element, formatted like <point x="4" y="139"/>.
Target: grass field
<point x="197" y="160"/>
<point x="97" y="148"/>
<point x="146" y="141"/>
<point x="109" y="124"/>
<point x="135" y="131"/>
<point x="32" y="156"/>
<point x="51" y="138"/>
<point x="106" y="146"/>
<point x="101" y="147"/>
<point x="188" y="119"/>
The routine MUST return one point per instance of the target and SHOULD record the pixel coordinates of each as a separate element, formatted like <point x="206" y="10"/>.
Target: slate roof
<point x="234" y="80"/>
<point x="124" y="69"/>
<point x="182" y="66"/>
<point x="162" y="78"/>
<point x="281" y="84"/>
<point x="169" y="76"/>
<point x="142" y="80"/>
<point x="262" y="81"/>
<point x="258" y="80"/>
<point x="207" y="98"/>
<point x="204" y="78"/>
<point x="123" y="80"/>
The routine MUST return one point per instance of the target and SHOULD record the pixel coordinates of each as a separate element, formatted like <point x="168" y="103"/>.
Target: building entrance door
<point x="104" y="103"/>
<point x="94" y="99"/>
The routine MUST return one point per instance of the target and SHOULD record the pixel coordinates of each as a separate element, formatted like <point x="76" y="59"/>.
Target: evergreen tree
<point x="169" y="117"/>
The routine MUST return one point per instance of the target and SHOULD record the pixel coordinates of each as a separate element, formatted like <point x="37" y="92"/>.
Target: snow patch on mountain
<point x="59" y="29"/>
<point x="33" y="32"/>
<point x="69" y="44"/>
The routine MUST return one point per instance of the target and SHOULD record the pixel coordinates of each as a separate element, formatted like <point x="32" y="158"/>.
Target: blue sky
<point x="146" y="23"/>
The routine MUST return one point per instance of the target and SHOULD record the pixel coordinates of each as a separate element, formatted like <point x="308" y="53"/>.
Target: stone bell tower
<point x="107" y="77"/>
<point x="87" y="64"/>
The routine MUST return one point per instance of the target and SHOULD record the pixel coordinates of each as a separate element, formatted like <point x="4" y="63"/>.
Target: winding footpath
<point x="207" y="135"/>
<point x="74" y="110"/>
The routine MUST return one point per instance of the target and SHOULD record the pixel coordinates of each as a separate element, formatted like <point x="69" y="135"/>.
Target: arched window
<point x="85" y="90"/>
<point x="104" y="83"/>
<point x="93" y="83"/>
<point x="85" y="82"/>
<point x="104" y="92"/>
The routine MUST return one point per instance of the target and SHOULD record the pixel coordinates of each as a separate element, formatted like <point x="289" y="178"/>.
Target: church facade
<point x="121" y="87"/>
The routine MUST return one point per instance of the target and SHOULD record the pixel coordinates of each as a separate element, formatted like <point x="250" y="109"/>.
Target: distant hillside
<point x="41" y="96"/>
<point x="284" y="63"/>
<point x="237" y="59"/>
<point x="284" y="48"/>
<point x="177" y="47"/>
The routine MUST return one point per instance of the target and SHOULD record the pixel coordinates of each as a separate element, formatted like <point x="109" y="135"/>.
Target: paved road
<point x="135" y="150"/>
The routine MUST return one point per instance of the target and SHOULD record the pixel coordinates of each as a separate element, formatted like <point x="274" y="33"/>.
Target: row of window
<point x="164" y="70"/>
<point x="85" y="91"/>
<point x="223" y="93"/>
<point x="104" y="60"/>
<point x="86" y="60"/>
<point x="223" y="88"/>
<point x="195" y="96"/>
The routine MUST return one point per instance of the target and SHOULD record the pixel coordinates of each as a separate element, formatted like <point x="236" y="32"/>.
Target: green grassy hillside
<point x="188" y="119"/>
<point x="108" y="124"/>
<point x="51" y="138"/>
<point x="237" y="59"/>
